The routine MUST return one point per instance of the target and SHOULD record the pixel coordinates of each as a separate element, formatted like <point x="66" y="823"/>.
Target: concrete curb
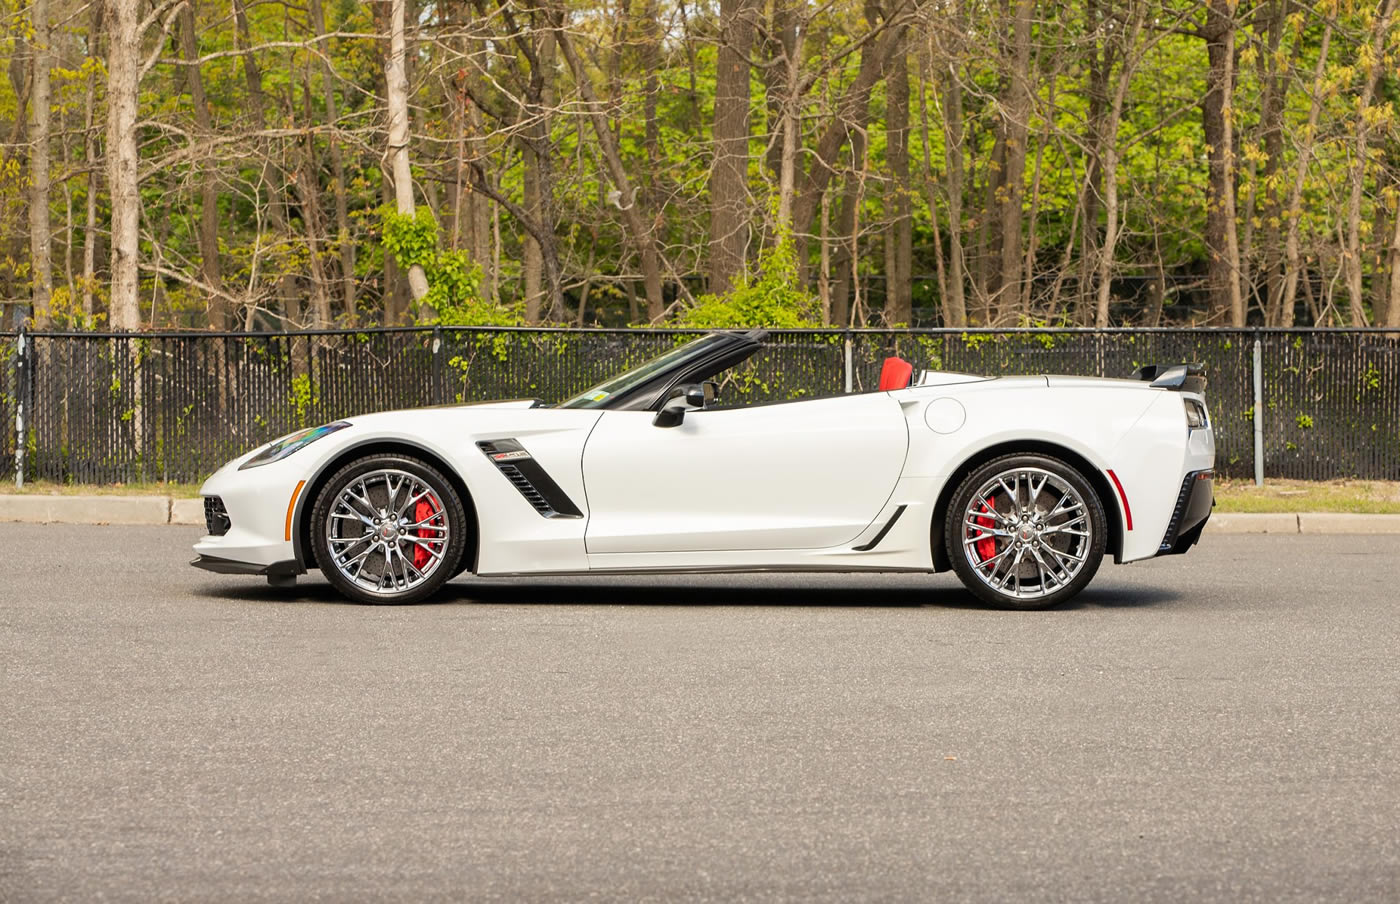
<point x="34" y="509"/>
<point x="1302" y="523"/>
<point x="86" y="509"/>
<point x="1263" y="523"/>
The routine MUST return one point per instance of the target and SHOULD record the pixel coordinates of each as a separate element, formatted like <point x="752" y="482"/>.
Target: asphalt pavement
<point x="1221" y="726"/>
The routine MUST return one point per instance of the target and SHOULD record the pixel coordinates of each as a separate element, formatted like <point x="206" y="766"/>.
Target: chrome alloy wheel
<point x="387" y="531"/>
<point x="1027" y="533"/>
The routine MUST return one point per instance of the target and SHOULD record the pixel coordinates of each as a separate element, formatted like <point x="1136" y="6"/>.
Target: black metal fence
<point x="167" y="406"/>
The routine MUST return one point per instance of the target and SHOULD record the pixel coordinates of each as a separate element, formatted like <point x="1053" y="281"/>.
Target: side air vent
<point x="1182" y="498"/>
<point x="216" y="520"/>
<point x="527" y="489"/>
<point x="526" y="475"/>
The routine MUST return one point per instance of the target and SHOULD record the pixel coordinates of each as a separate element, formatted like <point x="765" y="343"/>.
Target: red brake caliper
<point x="987" y="546"/>
<point x="422" y="512"/>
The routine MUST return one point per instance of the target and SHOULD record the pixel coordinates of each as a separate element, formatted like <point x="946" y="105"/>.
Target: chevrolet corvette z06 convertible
<point x="1020" y="485"/>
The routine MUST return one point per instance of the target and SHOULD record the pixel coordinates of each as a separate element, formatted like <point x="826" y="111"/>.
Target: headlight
<point x="291" y="443"/>
<point x="1195" y="414"/>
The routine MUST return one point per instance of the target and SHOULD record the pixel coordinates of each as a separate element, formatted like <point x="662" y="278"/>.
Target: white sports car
<point x="1019" y="484"/>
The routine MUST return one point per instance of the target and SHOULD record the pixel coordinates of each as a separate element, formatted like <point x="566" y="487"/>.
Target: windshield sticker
<point x="598" y="396"/>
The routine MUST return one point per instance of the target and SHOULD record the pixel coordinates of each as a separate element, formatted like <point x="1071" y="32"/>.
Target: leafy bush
<point x="454" y="279"/>
<point x="775" y="299"/>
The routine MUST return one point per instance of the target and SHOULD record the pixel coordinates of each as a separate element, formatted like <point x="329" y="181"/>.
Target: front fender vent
<point x="526" y="475"/>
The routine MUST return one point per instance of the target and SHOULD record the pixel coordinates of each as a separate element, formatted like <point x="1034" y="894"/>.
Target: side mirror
<point x="711" y="392"/>
<point x="689" y="398"/>
<point x="696" y="395"/>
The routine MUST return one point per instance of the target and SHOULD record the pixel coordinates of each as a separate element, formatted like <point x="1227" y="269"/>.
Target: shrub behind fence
<point x="161" y="406"/>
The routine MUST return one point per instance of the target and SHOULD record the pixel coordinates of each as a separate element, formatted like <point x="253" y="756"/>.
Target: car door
<point x="795" y="475"/>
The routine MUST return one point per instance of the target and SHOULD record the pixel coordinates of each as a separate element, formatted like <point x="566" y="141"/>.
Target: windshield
<point x="621" y="384"/>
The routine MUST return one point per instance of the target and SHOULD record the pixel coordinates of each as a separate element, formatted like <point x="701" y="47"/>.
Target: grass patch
<point x="153" y="488"/>
<point x="1370" y="497"/>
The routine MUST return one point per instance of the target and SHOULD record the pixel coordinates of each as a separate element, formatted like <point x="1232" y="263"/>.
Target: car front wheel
<point x="1025" y="531"/>
<point x="388" y="529"/>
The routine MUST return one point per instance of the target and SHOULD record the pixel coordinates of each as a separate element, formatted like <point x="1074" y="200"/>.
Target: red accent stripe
<point x="1127" y="512"/>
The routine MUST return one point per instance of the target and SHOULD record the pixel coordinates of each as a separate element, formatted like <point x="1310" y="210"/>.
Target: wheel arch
<point x="304" y="550"/>
<point x="1096" y="477"/>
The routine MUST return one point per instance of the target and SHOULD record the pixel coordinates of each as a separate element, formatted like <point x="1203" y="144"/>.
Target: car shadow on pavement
<point x="815" y="591"/>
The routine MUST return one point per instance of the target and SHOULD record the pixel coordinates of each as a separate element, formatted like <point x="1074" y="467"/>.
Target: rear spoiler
<point x="1180" y="377"/>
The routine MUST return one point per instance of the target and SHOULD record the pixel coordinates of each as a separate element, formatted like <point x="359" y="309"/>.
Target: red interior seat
<point x="895" y="374"/>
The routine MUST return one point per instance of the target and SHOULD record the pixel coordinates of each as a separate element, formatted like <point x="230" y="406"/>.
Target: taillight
<point x="1195" y="414"/>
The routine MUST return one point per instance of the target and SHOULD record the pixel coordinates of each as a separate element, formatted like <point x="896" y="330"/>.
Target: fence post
<point x="21" y="395"/>
<point x="1258" y="412"/>
<point x="849" y="366"/>
<point x="439" y="374"/>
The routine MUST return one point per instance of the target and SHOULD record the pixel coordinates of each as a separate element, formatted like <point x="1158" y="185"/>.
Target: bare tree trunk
<point x="40" y="238"/>
<point x="208" y="185"/>
<point x="852" y="115"/>
<point x="824" y="273"/>
<point x="123" y="80"/>
<point x="899" y="285"/>
<point x="1391" y="315"/>
<point x="397" y="85"/>
<point x="642" y="231"/>
<point x="342" y="210"/>
<point x="1222" y="243"/>
<point x="790" y="143"/>
<point x="651" y="128"/>
<point x="847" y="251"/>
<point x="271" y="178"/>
<point x="395" y="300"/>
<point x="1102" y="54"/>
<point x="781" y="44"/>
<point x="67" y="162"/>
<point x="1025" y="308"/>
<point x="1271" y="124"/>
<point x="1015" y="130"/>
<point x="931" y="188"/>
<point x="539" y="171"/>
<point x="1104" y="277"/>
<point x="90" y="236"/>
<point x="481" y="213"/>
<point x="1351" y="254"/>
<point x="308" y="193"/>
<point x="955" y="310"/>
<point x="729" y="208"/>
<point x="1284" y="315"/>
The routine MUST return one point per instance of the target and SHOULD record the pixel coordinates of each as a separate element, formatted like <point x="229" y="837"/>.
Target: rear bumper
<point x="1193" y="505"/>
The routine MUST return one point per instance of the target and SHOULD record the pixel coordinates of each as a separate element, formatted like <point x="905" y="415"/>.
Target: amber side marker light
<point x="292" y="506"/>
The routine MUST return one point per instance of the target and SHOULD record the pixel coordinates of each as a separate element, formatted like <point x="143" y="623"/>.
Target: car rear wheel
<point x="388" y="529"/>
<point x="1025" y="531"/>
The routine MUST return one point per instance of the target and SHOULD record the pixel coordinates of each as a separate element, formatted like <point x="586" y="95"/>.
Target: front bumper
<point x="1193" y="505"/>
<point x="255" y="511"/>
<point x="289" y="568"/>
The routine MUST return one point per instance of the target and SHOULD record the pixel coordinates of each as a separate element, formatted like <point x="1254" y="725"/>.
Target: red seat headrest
<point x="895" y="374"/>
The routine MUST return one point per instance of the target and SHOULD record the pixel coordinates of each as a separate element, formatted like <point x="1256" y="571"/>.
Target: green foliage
<point x="775" y="299"/>
<point x="304" y="397"/>
<point x="454" y="280"/>
<point x="413" y="241"/>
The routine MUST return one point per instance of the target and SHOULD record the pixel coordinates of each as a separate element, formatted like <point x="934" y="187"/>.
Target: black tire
<point x="440" y="571"/>
<point x="1063" y="562"/>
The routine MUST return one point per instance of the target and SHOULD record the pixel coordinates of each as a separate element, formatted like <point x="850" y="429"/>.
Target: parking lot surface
<point x="1221" y="726"/>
